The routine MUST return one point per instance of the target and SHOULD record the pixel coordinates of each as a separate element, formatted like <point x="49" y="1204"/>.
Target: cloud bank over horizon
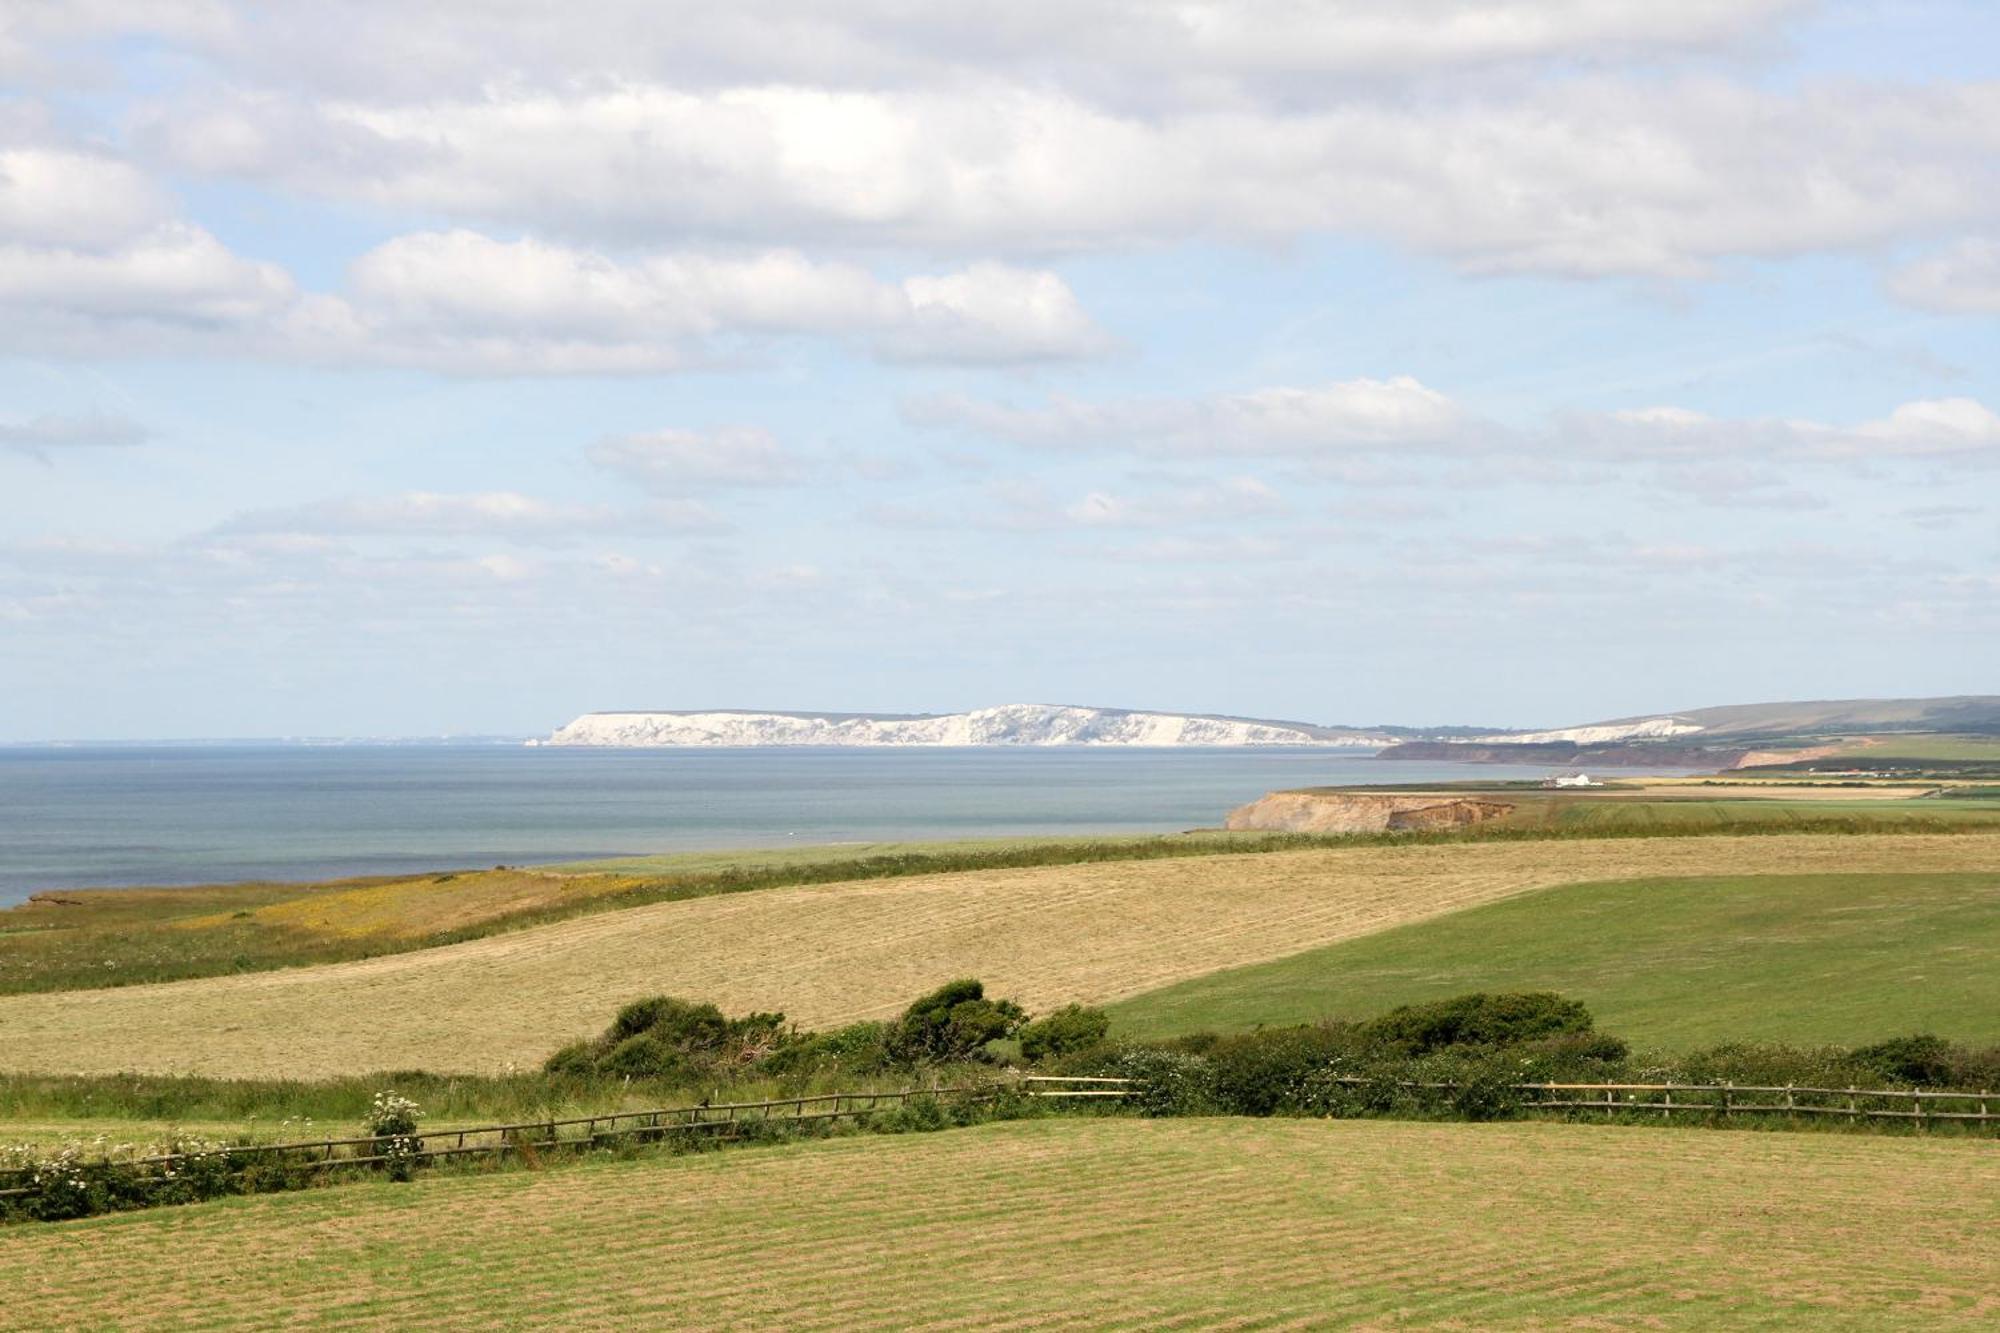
<point x="377" y="368"/>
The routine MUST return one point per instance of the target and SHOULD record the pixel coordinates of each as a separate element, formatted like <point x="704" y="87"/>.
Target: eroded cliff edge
<point x="1353" y="812"/>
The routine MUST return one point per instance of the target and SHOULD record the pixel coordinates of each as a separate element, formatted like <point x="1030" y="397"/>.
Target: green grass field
<point x="1924" y="746"/>
<point x="1694" y="814"/>
<point x="1671" y="963"/>
<point x="1121" y="1224"/>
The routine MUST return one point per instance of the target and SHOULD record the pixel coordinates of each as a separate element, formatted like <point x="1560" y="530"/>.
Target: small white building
<point x="1574" y="780"/>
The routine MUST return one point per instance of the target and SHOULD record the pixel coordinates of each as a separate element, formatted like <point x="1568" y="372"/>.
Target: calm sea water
<point x="161" y="815"/>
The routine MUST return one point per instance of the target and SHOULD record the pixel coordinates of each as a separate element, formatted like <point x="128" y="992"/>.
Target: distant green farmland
<point x="1693" y="814"/>
<point x="1669" y="963"/>
<point x="1933" y="746"/>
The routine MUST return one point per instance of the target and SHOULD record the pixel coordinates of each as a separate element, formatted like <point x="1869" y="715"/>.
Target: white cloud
<point x="1962" y="279"/>
<point x="460" y="289"/>
<point x="1047" y="126"/>
<point x="673" y="461"/>
<point x="992" y="313"/>
<point x="1113" y="48"/>
<point x="1344" y="433"/>
<point x="61" y="197"/>
<point x="460" y="301"/>
<point x="508" y="515"/>
<point x="1350" y="415"/>
<point x="175" y="274"/>
<point x="1941" y="426"/>
<point x="1928" y="428"/>
<point x="1578" y="176"/>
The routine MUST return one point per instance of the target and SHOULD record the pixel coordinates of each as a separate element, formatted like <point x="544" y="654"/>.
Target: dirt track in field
<point x="1100" y="1223"/>
<point x="833" y="953"/>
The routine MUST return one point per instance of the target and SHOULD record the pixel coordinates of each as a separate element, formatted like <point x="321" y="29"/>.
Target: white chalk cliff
<point x="1009" y="724"/>
<point x="1651" y="728"/>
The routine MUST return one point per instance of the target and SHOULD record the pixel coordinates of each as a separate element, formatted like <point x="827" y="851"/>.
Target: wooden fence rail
<point x="714" y="1119"/>
<point x="728" y="1119"/>
<point x="1920" y="1106"/>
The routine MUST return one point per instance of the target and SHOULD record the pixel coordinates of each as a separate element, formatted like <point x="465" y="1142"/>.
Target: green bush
<point x="1919" y="1061"/>
<point x="1068" y="1030"/>
<point x="1266" y="1072"/>
<point x="1478" y="1020"/>
<point x="858" y="1048"/>
<point x="953" y="1023"/>
<point x="393" y="1121"/>
<point x="1484" y="1090"/>
<point x="675" y="1040"/>
<point x="1168" y="1082"/>
<point x="914" y="1115"/>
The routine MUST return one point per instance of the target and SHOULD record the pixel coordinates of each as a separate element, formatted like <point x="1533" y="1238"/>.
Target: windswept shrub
<point x="953" y="1022"/>
<point x="1756" y="1063"/>
<point x="1068" y="1030"/>
<point x="1267" y="1072"/>
<point x="1478" y="1020"/>
<point x="666" y="1038"/>
<point x="1168" y="1082"/>
<point x="1576" y="1055"/>
<point x="1919" y="1061"/>
<point x="1484" y="1090"/>
<point x="1346" y="1088"/>
<point x="858" y="1048"/>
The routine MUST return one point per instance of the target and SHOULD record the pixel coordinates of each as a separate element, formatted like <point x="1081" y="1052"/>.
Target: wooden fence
<point x="1922" y="1109"/>
<point x="1913" y="1105"/>
<point x="1726" y="1099"/>
<point x="716" y="1119"/>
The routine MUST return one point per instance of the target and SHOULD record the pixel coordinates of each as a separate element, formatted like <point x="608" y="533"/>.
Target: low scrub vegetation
<point x="680" y="1044"/>
<point x="1466" y="1057"/>
<point x="76" y="1180"/>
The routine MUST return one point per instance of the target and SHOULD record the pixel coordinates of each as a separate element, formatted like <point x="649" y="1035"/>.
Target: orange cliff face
<point x="1354" y="812"/>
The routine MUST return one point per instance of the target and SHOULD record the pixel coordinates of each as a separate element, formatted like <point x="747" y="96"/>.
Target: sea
<point x="80" y="816"/>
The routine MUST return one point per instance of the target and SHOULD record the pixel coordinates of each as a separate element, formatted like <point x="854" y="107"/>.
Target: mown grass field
<point x="1107" y="1223"/>
<point x="1668" y="963"/>
<point x="833" y="953"/>
<point x="91" y="938"/>
<point x="87" y="938"/>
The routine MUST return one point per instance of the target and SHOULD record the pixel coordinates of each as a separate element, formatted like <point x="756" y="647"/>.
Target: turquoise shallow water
<point x="198" y="814"/>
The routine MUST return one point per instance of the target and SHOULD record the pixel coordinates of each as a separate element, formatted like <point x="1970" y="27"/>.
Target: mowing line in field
<point x="1119" y="1223"/>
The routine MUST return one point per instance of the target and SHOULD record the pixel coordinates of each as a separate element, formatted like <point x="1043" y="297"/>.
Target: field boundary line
<point x="713" y="1119"/>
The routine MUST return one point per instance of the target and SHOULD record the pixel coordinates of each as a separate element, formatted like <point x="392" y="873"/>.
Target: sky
<point x="379" y="369"/>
